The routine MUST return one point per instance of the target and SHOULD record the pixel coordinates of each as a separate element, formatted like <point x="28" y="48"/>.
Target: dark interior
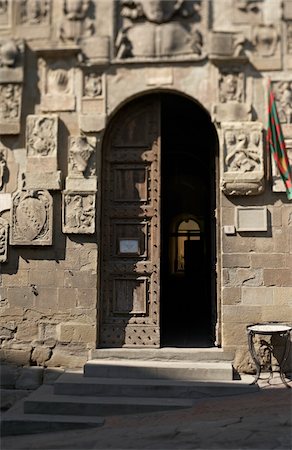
<point x="188" y="147"/>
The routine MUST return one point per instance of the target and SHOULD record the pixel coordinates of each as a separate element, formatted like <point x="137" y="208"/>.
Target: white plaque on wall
<point x="127" y="246"/>
<point x="251" y="218"/>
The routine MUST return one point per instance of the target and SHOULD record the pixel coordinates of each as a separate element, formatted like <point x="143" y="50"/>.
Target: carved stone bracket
<point x="266" y="44"/>
<point x="81" y="164"/>
<point x="247" y="11"/>
<point x="231" y="96"/>
<point x="288" y="41"/>
<point x="93" y="101"/>
<point x="31" y="218"/>
<point x="41" y="145"/>
<point x="5" y="15"/>
<point x="57" y="85"/>
<point x="3" y="239"/>
<point x="11" y="79"/>
<point x="227" y="47"/>
<point x="33" y="18"/>
<point x="78" y="212"/>
<point x="242" y="161"/>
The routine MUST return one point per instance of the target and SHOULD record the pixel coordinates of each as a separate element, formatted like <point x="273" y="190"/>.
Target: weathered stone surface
<point x="8" y="375"/>
<point x="19" y="357"/>
<point x="275" y="260"/>
<point x="243" y="362"/>
<point x="40" y="355"/>
<point x="242" y="314"/>
<point x="257" y="296"/>
<point x="77" y="332"/>
<point x="26" y="331"/>
<point x="231" y="295"/>
<point x="51" y="375"/>
<point x="30" y="378"/>
<point x="67" y="358"/>
<point x="243" y="277"/>
<point x="236" y="260"/>
<point x="8" y="397"/>
<point x="277" y="277"/>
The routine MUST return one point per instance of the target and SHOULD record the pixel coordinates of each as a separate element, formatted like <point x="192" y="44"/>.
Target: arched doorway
<point x="157" y="267"/>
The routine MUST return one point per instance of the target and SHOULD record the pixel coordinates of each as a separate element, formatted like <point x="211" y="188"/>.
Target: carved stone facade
<point x="77" y="81"/>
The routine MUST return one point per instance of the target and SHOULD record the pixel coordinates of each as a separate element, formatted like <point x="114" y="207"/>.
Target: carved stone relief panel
<point x="247" y="11"/>
<point x="9" y="170"/>
<point x="31" y="218"/>
<point x="231" y="96"/>
<point x="3" y="167"/>
<point x="283" y="96"/>
<point x="78" y="212"/>
<point x="57" y="85"/>
<point x="41" y="144"/>
<point x="227" y="46"/>
<point x="5" y="14"/>
<point x="33" y="18"/>
<point x="3" y="239"/>
<point x="242" y="161"/>
<point x="266" y="42"/>
<point x="287" y="10"/>
<point x="288" y="56"/>
<point x="78" y="20"/>
<point x="81" y="164"/>
<point x="93" y="108"/>
<point x="11" y="60"/>
<point x="278" y="184"/>
<point x="10" y="108"/>
<point x="157" y="29"/>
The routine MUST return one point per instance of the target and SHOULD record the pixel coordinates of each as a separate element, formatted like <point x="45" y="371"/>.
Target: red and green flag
<point x="276" y="144"/>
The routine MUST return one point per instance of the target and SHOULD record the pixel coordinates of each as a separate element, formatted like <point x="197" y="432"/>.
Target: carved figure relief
<point x="81" y="156"/>
<point x="31" y="218"/>
<point x="227" y="46"/>
<point x="3" y="240"/>
<point x="243" y="152"/>
<point x="79" y="212"/>
<point x="41" y="135"/>
<point x="283" y="96"/>
<point x="248" y="5"/>
<point x="57" y="85"/>
<point x="278" y="184"/>
<point x="10" y="101"/>
<point x="157" y="28"/>
<point x="231" y="87"/>
<point x="9" y="53"/>
<point x="78" y="19"/>
<point x="34" y="12"/>
<point x="289" y="38"/>
<point x="4" y="13"/>
<point x="265" y="40"/>
<point x="3" y="167"/>
<point x="242" y="162"/>
<point x="93" y="85"/>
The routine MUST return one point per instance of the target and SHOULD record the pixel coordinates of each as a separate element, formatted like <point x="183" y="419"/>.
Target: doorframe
<point x="104" y="141"/>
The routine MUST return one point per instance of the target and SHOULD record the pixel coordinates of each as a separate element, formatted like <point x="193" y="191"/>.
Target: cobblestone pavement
<point x="258" y="420"/>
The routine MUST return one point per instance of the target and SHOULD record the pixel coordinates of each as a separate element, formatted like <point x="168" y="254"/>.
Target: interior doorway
<point x="188" y="231"/>
<point x="158" y="246"/>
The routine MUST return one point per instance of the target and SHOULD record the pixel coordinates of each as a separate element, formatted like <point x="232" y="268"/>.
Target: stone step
<point x="43" y="401"/>
<point x="76" y="384"/>
<point x="174" y="370"/>
<point x="13" y="423"/>
<point x="164" y="354"/>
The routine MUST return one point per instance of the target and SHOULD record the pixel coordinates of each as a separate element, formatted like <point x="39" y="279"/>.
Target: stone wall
<point x="64" y="72"/>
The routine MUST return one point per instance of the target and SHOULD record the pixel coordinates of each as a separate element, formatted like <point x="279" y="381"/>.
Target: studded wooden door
<point x="130" y="237"/>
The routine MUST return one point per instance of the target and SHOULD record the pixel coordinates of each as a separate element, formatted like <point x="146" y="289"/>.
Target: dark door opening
<point x="188" y="145"/>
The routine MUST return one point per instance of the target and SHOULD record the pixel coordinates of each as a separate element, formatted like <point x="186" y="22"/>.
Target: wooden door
<point x="130" y="230"/>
